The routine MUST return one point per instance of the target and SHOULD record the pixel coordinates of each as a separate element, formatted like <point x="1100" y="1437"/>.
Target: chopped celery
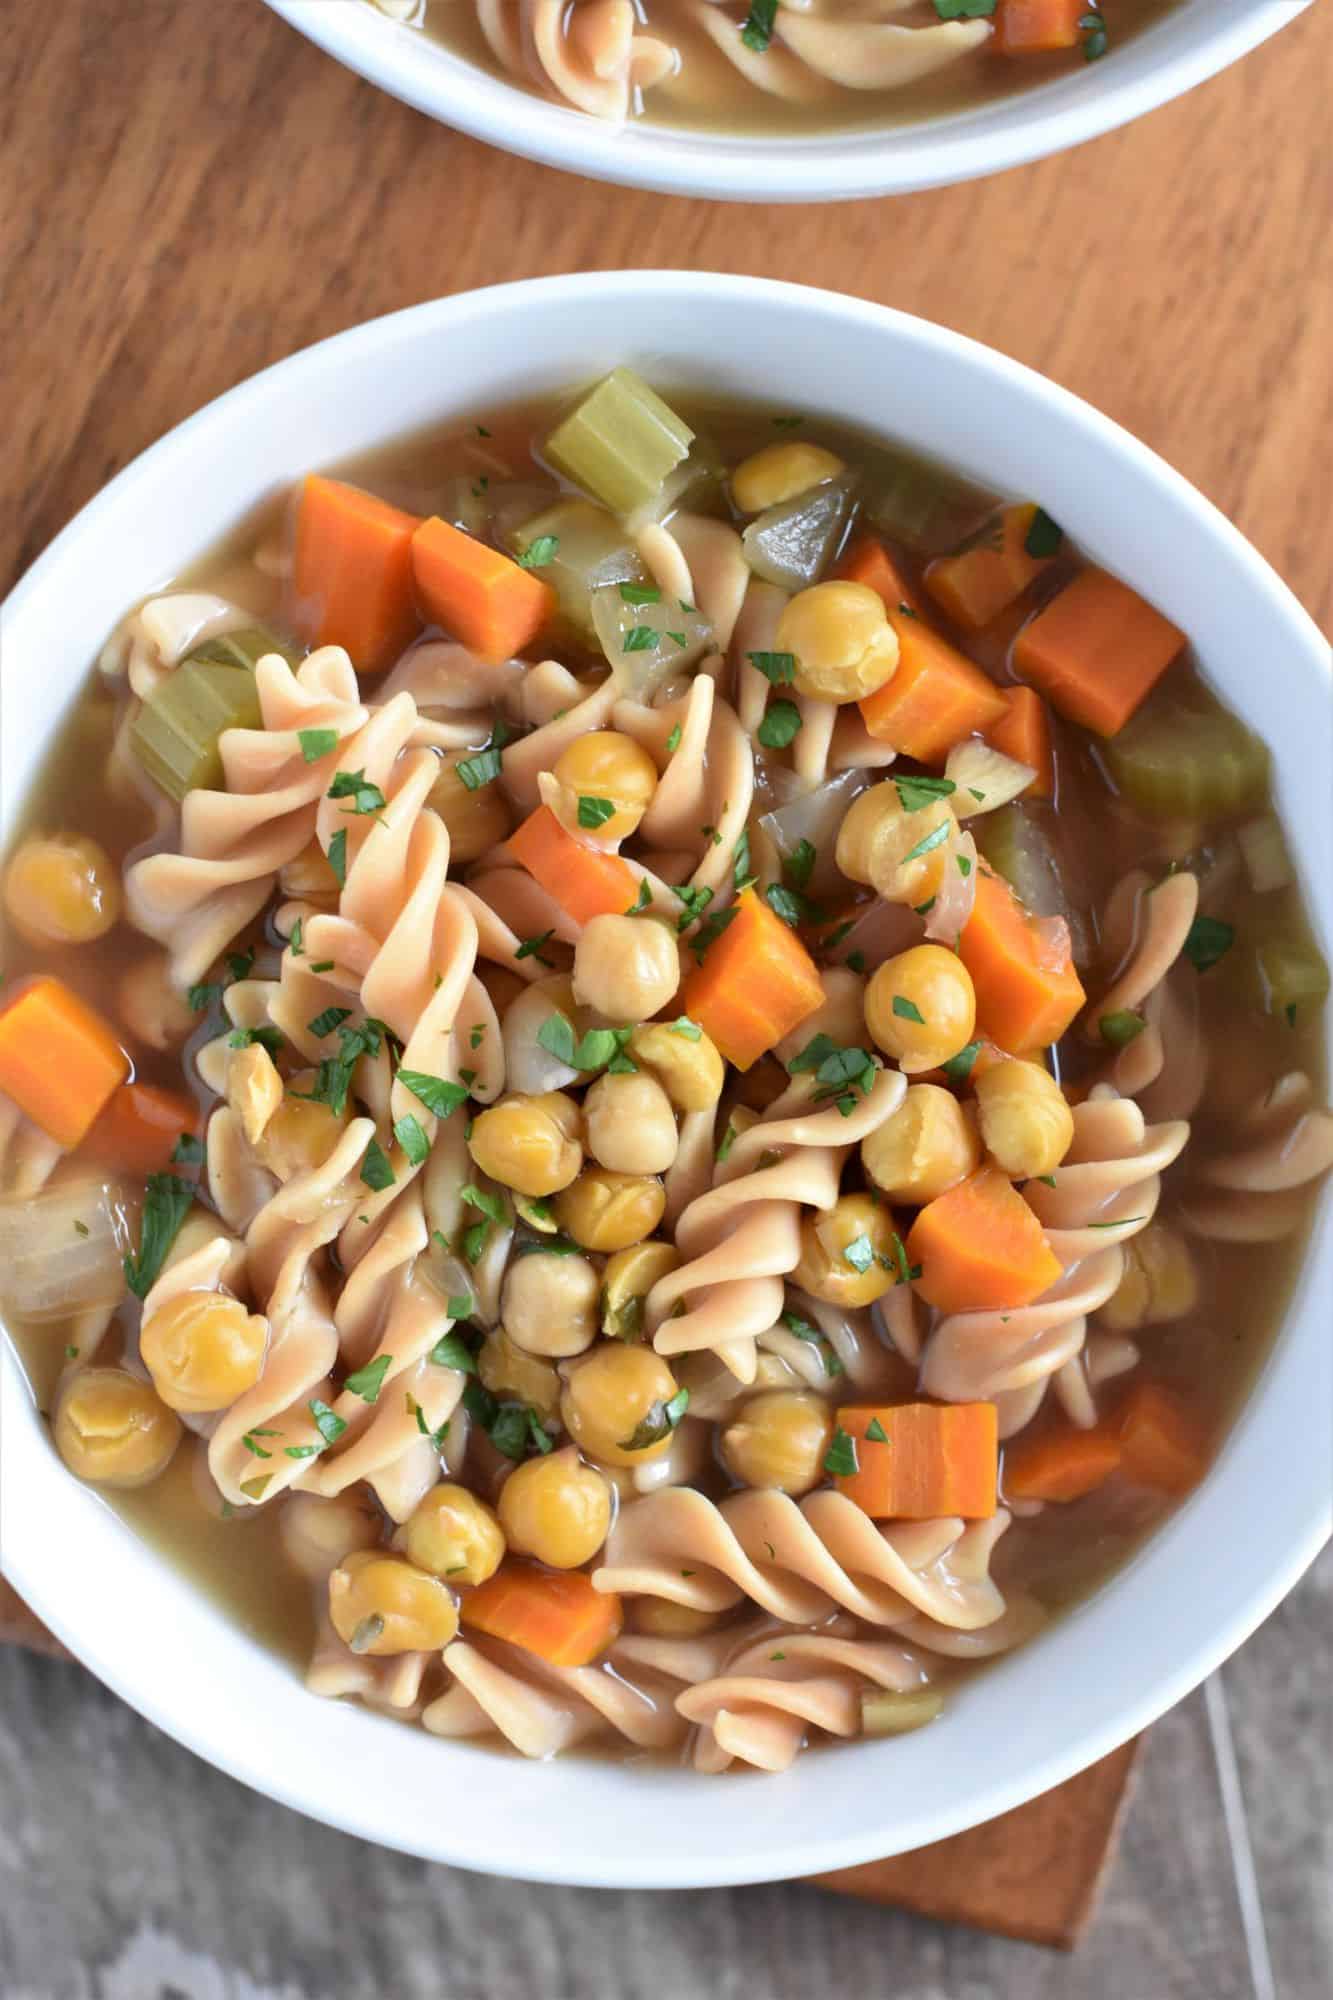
<point x="923" y="506"/>
<point x="1263" y="849"/>
<point x="242" y="649"/>
<point x="591" y="549"/>
<point x="1187" y="759"/>
<point x="698" y="484"/>
<point x="790" y="544"/>
<point x="649" y="637"/>
<point x="1018" y="846"/>
<point x="620" y="443"/>
<point x="175" y="734"/>
<point x="885" y="1713"/>
<point x="1291" y="969"/>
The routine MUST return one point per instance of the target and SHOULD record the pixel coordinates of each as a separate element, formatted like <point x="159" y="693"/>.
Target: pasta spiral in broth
<point x="554" y="1143"/>
<point x="760" y="65"/>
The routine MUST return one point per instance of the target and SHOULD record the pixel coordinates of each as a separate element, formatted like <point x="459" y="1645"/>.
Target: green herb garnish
<point x="1044" y="535"/>
<point x="781" y="721"/>
<point x="593" y="813"/>
<point x="316" y="743"/>
<point x="840" y="1458"/>
<point x="368" y="1381"/>
<point x="166" y="1204"/>
<point x="916" y="792"/>
<point x="659" y="1422"/>
<point x="537" y="554"/>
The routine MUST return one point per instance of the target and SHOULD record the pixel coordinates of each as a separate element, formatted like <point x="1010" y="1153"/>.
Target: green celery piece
<point x="592" y="549"/>
<point x="175" y="734"/>
<point x="791" y="544"/>
<point x="1291" y="969"/>
<point x="243" y="649"/>
<point x="1187" y="759"/>
<point x="620" y="443"/>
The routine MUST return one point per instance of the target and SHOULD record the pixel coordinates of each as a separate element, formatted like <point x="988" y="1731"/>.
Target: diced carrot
<point x="977" y="584"/>
<point x="1061" y="1465"/>
<point x="1035" y="27"/>
<point x="981" y="1248"/>
<point x="141" y="1127"/>
<point x="483" y="598"/>
<point x="934" y="698"/>
<point x="919" y="1461"/>
<point x="866" y="560"/>
<point x="555" y="1614"/>
<point x="1022" y="973"/>
<point x="352" y="579"/>
<point x="1096" y="650"/>
<point x="585" y="882"/>
<point x="1023" y="732"/>
<point x="756" y="983"/>
<point x="59" y="1061"/>
<point x="1160" y="1445"/>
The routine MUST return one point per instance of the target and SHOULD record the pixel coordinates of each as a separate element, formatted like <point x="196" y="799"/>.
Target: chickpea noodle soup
<point x="661" y="1077"/>
<point x="806" y="65"/>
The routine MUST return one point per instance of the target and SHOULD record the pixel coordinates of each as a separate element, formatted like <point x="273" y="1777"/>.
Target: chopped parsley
<point x="860" y="1252"/>
<point x="907" y="1010"/>
<point x="756" y="34"/>
<point x="779" y="668"/>
<point x="924" y="846"/>
<point x="1094" y="35"/>
<point x="338" y="856"/>
<point x="483" y="769"/>
<point x="325" y="1023"/>
<point x="696" y="901"/>
<point x="166" y="1204"/>
<point x="641" y="901"/>
<point x="437" y="1093"/>
<point x="673" y="741"/>
<point x="1118" y="1030"/>
<point x="267" y="1038"/>
<point x="964" y="10"/>
<point x="326" y="1421"/>
<point x="639" y="639"/>
<point x="410" y="1136"/>
<point x="599" y="1048"/>
<point x="683" y="1025"/>
<point x="640" y="593"/>
<point x="876" y="1432"/>
<point x="538" y="553"/>
<point x="368" y="1381"/>
<point x="1208" y="940"/>
<point x="840" y="1458"/>
<point x="593" y="813"/>
<point x="959" y="1067"/>
<point x="532" y="947"/>
<point x="316" y="743"/>
<point x="711" y="929"/>
<point x="781" y="721"/>
<point x="799" y="864"/>
<point x="365" y="797"/>
<point x="659" y="1422"/>
<point x="375" y="1169"/>
<point x="1044" y="535"/>
<point x="187" y="1151"/>
<point x="914" y="793"/>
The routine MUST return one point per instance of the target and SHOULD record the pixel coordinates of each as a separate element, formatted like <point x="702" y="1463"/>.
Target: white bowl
<point x="1205" y="1580"/>
<point x="1194" y="41"/>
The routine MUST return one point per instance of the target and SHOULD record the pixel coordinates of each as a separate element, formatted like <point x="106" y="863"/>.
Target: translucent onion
<point x="984" y="778"/>
<point x="647" y="644"/>
<point x="880" y="932"/>
<point x="957" y="891"/>
<point x="1264" y="851"/>
<point x="816" y="816"/>
<point x="528" y="1066"/>
<point x="61" y="1250"/>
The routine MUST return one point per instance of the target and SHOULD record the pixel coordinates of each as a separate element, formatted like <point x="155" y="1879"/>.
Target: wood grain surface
<point x="193" y="192"/>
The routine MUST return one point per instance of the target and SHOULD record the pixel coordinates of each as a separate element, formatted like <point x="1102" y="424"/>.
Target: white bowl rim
<point x="845" y="166"/>
<point x="1298" y="1374"/>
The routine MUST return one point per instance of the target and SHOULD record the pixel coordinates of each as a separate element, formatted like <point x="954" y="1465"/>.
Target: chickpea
<point x="556" y="1508"/>
<point x="609" y="1393"/>
<point x="1026" y="1125"/>
<point x="203" y="1350"/>
<point x="529" y="1143"/>
<point x="609" y="1211"/>
<point x="150" y="1006"/>
<point x="627" y="1279"/>
<point x="1159" y="1283"/>
<point x="452" y="1533"/>
<point x="779" y="1440"/>
<point x="925" y="1147"/>
<point x="687" y="1065"/>
<point x="781" y="472"/>
<point x="856" y="1224"/>
<point x="300" y="1135"/>
<point x="549" y="1303"/>
<point x="841" y="640"/>
<point x="317" y="1534"/>
<point x="113" y="1429"/>
<point x="607" y="765"/>
<point x="507" y="1370"/>
<point x="380" y="1604"/>
<point x="476" y="818"/>
<point x="878" y="834"/>
<point x="62" y="888"/>
<point x="631" y="1126"/>
<point x="921" y="1008"/>
<point x="625" y="968"/>
<point x="661" y="1619"/>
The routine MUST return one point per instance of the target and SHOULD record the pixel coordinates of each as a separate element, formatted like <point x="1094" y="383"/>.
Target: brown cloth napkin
<point x="1033" y="1873"/>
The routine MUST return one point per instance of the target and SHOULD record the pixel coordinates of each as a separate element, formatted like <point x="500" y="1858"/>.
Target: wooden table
<point x="193" y="192"/>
